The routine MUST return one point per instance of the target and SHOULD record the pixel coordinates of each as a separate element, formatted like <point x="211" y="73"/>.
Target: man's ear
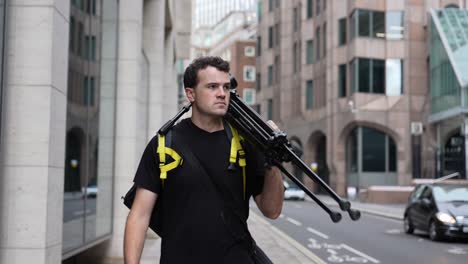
<point x="190" y="93"/>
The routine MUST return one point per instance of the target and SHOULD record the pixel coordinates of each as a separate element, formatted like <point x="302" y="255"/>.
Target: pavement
<point x="281" y="248"/>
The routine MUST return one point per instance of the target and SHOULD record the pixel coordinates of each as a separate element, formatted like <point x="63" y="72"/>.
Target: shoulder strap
<point x="164" y="148"/>
<point x="237" y="153"/>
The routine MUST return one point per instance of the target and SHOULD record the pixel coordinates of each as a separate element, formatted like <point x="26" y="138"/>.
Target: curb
<point x="306" y="252"/>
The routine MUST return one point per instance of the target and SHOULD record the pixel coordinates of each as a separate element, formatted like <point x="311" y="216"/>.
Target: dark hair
<point x="191" y="73"/>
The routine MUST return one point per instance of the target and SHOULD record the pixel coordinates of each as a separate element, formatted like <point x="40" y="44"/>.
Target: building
<point x="227" y="29"/>
<point x="370" y="90"/>
<point x="85" y="84"/>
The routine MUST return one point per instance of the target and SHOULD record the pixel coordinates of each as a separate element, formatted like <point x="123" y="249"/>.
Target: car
<point x="441" y="209"/>
<point x="293" y="192"/>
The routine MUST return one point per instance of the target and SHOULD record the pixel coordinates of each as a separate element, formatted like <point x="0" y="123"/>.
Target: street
<point x="372" y="239"/>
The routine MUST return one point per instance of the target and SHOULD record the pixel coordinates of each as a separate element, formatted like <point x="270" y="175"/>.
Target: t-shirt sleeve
<point x="147" y="174"/>
<point x="255" y="168"/>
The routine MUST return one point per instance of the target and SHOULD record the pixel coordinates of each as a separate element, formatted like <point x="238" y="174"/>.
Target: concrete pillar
<point x="33" y="149"/>
<point x="154" y="18"/>
<point x="127" y="148"/>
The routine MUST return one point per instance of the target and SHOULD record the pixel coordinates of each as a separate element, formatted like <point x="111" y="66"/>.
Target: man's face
<point x="211" y="96"/>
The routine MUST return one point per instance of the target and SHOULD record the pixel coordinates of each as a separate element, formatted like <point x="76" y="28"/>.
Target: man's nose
<point x="221" y="91"/>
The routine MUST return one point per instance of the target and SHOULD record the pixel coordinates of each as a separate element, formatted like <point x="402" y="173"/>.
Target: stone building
<point x="85" y="84"/>
<point x="372" y="91"/>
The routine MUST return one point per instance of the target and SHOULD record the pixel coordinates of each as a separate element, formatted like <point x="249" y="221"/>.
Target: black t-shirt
<point x="194" y="225"/>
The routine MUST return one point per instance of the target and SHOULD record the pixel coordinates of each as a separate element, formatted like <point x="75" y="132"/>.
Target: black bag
<point x="155" y="221"/>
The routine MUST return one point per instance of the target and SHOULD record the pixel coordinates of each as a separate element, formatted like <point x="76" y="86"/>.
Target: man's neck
<point x="209" y="124"/>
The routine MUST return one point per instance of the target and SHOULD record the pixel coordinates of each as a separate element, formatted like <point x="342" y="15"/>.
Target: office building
<point x="85" y="85"/>
<point x="373" y="91"/>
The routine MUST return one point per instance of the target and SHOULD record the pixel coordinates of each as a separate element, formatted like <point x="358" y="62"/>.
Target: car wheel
<point x="407" y="225"/>
<point x="433" y="234"/>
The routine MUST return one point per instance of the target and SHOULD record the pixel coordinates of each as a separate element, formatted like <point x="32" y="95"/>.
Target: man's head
<point x="191" y="77"/>
<point x="207" y="85"/>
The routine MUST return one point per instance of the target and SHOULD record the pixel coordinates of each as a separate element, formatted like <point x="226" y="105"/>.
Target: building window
<point x="90" y="118"/>
<point x="309" y="94"/>
<point x="259" y="46"/>
<point x="342" y="80"/>
<point x="257" y="108"/>
<point x="270" y="109"/>
<point x="270" y="75"/>
<point x="72" y="35"/>
<point x="270" y="37"/>
<point x="377" y="76"/>
<point x="376" y="24"/>
<point x="294" y="57"/>
<point x="317" y="7"/>
<point x="295" y="19"/>
<point x="317" y="43"/>
<point x="310" y="52"/>
<point x="394" y="73"/>
<point x="342" y="31"/>
<point x="249" y="96"/>
<point x="324" y="31"/>
<point x="364" y="23"/>
<point x="249" y="73"/>
<point x="258" y="80"/>
<point x="259" y="10"/>
<point x="270" y="5"/>
<point x="276" y="34"/>
<point x="371" y="150"/>
<point x="310" y="8"/>
<point x="394" y="25"/>
<point x="249" y="51"/>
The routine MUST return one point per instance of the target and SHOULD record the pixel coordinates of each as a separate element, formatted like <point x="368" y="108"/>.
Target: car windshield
<point x="451" y="193"/>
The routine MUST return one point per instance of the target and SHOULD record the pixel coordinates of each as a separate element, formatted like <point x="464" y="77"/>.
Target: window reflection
<point x="2" y="31"/>
<point x="89" y="140"/>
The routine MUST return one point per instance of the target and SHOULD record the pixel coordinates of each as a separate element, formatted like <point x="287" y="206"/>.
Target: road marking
<point x="281" y="216"/>
<point x="289" y="219"/>
<point x="393" y="231"/>
<point x="457" y="251"/>
<point x="297" y="206"/>
<point x="81" y="212"/>
<point x="357" y="252"/>
<point x="320" y="234"/>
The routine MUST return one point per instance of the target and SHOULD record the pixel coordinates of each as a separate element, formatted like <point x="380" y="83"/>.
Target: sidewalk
<point x="283" y="249"/>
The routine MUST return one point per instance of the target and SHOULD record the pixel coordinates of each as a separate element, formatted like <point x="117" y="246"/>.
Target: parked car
<point x="293" y="192"/>
<point x="438" y="208"/>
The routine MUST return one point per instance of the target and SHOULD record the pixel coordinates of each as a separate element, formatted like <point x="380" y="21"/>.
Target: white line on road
<point x="357" y="252"/>
<point x="289" y="219"/>
<point x="318" y="233"/>
<point x="81" y="212"/>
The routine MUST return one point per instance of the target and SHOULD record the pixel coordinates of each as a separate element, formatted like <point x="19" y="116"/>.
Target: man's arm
<point x="137" y="225"/>
<point x="270" y="200"/>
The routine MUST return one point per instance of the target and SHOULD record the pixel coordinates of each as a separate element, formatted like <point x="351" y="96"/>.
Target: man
<point x="199" y="225"/>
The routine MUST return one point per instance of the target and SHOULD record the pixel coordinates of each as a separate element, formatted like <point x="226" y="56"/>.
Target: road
<point x="372" y="239"/>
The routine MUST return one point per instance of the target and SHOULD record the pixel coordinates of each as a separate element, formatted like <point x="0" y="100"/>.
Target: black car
<point x="441" y="209"/>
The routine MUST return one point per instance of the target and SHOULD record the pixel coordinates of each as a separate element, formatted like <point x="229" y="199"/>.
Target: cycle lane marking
<point x="359" y="253"/>
<point x="318" y="233"/>
<point x="293" y="221"/>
